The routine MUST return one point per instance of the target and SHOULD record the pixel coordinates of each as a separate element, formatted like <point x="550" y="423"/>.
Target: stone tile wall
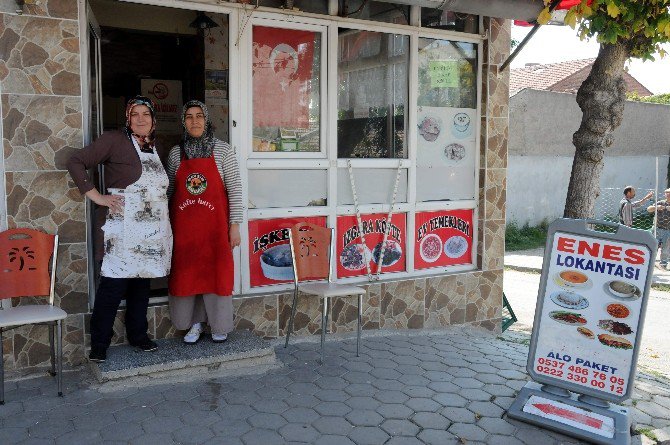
<point x="40" y="105"/>
<point x="41" y="109"/>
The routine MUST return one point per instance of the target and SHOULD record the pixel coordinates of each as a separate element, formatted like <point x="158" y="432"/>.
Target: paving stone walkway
<point x="432" y="387"/>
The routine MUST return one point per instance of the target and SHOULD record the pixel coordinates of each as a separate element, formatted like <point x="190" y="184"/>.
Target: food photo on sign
<point x="446" y="137"/>
<point x="269" y="249"/>
<point x="443" y="238"/>
<point x="353" y="256"/>
<point x="591" y="311"/>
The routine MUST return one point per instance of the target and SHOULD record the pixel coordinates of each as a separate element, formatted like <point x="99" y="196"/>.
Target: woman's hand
<point x="234" y="235"/>
<point x="114" y="202"/>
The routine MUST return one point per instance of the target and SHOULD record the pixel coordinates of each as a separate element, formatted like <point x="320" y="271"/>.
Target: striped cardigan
<point x="226" y="161"/>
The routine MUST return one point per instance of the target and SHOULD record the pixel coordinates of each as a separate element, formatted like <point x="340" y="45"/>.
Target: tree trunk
<point x="601" y="98"/>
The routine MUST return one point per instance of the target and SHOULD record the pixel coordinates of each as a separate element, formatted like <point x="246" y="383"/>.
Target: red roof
<point x="563" y="77"/>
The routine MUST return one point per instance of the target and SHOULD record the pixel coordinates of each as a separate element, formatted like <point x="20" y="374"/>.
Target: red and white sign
<point x="269" y="250"/>
<point x="443" y="238"/>
<point x="167" y="97"/>
<point x="282" y="70"/>
<point x="589" y="322"/>
<point x="570" y="415"/>
<point x="352" y="255"/>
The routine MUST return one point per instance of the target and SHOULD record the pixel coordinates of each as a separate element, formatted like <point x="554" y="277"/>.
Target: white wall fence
<point x="537" y="185"/>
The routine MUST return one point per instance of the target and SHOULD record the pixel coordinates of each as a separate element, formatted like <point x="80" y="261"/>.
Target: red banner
<point x="443" y="238"/>
<point x="352" y="255"/>
<point x="269" y="251"/>
<point x="282" y="70"/>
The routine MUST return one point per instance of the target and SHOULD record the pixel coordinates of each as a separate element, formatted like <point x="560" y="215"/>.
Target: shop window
<point x="286" y="90"/>
<point x="442" y="19"/>
<point x="373" y="186"/>
<point x="386" y="12"/>
<point x="287" y="188"/>
<point x="372" y="94"/>
<point x="314" y="6"/>
<point x="447" y="120"/>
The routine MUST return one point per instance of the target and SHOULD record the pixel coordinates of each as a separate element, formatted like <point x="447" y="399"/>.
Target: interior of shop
<point x="167" y="54"/>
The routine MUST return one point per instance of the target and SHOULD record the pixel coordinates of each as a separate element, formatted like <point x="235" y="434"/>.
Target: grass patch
<point x="526" y="237"/>
<point x="661" y="286"/>
<point x="649" y="432"/>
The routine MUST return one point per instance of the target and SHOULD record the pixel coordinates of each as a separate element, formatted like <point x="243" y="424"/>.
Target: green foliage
<point x="663" y="99"/>
<point x="526" y="237"/>
<point x="641" y="25"/>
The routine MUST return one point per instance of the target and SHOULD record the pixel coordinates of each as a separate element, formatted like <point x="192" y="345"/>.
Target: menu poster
<point x="269" y="249"/>
<point x="590" y="314"/>
<point x="352" y="255"/>
<point x="443" y="238"/>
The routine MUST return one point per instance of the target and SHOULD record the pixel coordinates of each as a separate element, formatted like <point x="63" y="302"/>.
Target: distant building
<point x="562" y="77"/>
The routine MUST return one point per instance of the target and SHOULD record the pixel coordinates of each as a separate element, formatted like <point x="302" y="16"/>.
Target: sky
<point x="560" y="43"/>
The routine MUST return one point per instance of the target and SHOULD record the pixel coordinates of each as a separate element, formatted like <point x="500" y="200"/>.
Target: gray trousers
<point x="212" y="309"/>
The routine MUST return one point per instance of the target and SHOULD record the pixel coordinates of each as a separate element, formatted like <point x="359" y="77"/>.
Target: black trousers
<point x="107" y="300"/>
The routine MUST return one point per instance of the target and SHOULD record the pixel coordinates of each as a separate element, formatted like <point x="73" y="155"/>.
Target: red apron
<point x="202" y="260"/>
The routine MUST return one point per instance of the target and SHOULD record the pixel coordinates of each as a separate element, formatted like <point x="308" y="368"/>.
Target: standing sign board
<point x="588" y="320"/>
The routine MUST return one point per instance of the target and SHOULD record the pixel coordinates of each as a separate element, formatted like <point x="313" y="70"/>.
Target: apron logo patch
<point x="196" y="183"/>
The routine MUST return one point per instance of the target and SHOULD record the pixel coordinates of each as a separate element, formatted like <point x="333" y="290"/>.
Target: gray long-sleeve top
<point x="226" y="162"/>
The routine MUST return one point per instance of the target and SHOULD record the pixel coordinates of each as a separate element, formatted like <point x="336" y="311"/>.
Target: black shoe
<point x="147" y="346"/>
<point x="97" y="356"/>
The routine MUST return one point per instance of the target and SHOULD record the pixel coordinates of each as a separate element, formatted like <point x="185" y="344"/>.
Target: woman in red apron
<point x="205" y="211"/>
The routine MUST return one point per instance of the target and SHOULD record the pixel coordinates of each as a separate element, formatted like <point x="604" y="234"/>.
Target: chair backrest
<point x="311" y="251"/>
<point x="24" y="263"/>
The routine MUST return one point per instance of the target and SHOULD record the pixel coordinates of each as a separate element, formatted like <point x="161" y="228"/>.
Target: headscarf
<point x="146" y="142"/>
<point x="198" y="147"/>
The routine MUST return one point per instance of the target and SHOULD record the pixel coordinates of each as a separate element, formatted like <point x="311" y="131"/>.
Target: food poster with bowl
<point x="446" y="137"/>
<point x="589" y="316"/>
<point x="352" y="254"/>
<point x="269" y="249"/>
<point x="443" y="238"/>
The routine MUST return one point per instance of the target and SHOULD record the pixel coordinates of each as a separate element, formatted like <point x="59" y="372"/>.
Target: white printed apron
<point x="138" y="242"/>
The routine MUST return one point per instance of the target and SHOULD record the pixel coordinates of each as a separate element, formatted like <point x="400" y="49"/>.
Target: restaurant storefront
<point x="385" y="119"/>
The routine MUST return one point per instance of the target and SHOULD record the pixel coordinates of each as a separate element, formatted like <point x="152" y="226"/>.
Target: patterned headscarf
<point x="146" y="142"/>
<point x="198" y="147"/>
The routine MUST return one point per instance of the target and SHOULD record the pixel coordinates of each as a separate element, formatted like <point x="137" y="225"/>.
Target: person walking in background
<point x="206" y="211"/>
<point x="662" y="225"/>
<point x="626" y="205"/>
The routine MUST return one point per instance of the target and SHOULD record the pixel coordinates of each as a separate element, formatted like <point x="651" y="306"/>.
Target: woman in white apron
<point x="135" y="241"/>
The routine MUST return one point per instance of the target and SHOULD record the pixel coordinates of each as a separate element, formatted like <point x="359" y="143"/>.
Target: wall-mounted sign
<point x="443" y="73"/>
<point x="269" y="250"/>
<point x="167" y="97"/>
<point x="352" y="255"/>
<point x="443" y="238"/>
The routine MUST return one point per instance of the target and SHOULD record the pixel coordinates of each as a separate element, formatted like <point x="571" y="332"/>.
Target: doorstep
<point x="242" y="350"/>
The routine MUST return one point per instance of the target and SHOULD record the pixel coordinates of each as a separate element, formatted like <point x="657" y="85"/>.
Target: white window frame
<point x="241" y="129"/>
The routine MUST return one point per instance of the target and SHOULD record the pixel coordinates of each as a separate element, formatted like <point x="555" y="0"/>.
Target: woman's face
<point x="141" y="121"/>
<point x="194" y="119"/>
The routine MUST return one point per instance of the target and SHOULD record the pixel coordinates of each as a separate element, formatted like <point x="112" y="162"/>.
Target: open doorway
<point x="169" y="55"/>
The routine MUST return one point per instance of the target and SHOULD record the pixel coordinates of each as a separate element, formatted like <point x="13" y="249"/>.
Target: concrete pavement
<point x="450" y="386"/>
<point x="531" y="260"/>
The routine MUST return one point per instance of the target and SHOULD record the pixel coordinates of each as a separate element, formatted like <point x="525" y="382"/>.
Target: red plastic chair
<point x="312" y="253"/>
<point x="25" y="257"/>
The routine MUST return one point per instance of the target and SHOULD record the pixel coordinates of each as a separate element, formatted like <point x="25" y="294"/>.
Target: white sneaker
<point x="219" y="338"/>
<point x="193" y="335"/>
